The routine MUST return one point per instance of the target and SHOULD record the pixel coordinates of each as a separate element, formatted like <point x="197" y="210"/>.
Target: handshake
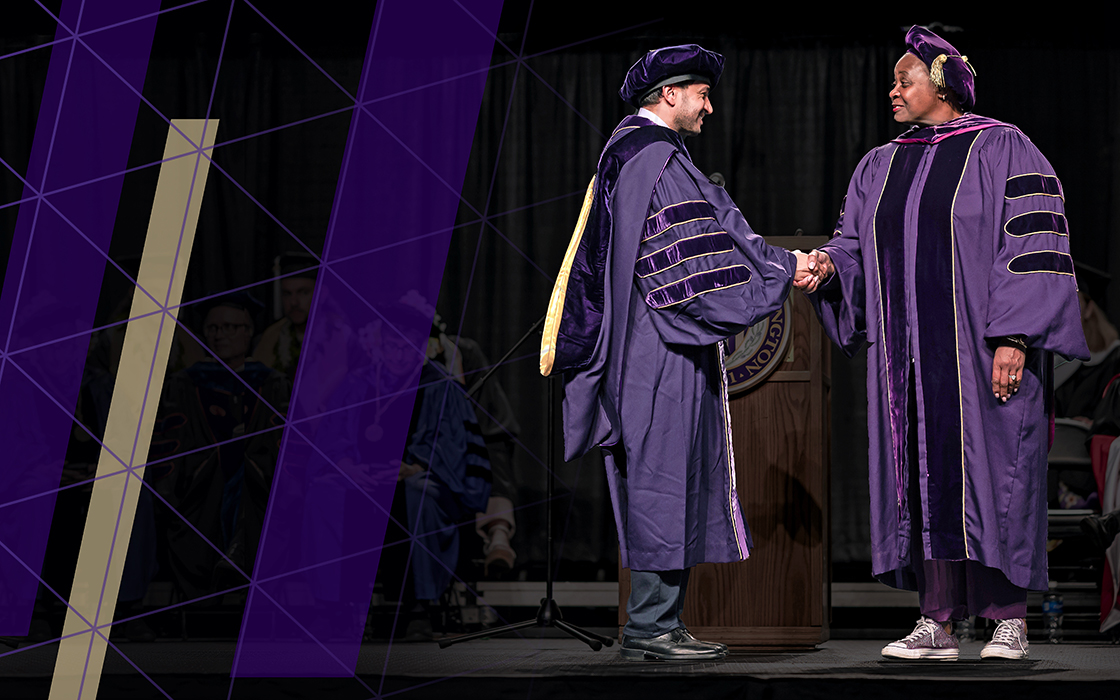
<point x="813" y="268"/>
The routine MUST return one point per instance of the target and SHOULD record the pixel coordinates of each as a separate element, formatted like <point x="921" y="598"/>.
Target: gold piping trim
<point x="670" y="206"/>
<point x="689" y="221"/>
<point x="957" y="340"/>
<point x="684" y="260"/>
<point x="560" y="288"/>
<point x="682" y="240"/>
<point x="730" y="447"/>
<point x="620" y="129"/>
<point x="879" y="284"/>
<point x="1037" y="194"/>
<point x="1035" y="211"/>
<point x="1036" y="272"/>
<point x="714" y="289"/>
<point x="1034" y="194"/>
<point x="1014" y="177"/>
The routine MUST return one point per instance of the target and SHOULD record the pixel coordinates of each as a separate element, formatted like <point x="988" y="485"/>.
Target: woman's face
<point x="914" y="97"/>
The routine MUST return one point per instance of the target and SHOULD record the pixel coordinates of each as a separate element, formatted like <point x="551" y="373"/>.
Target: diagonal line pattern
<point x="494" y="174"/>
<point x="311" y="319"/>
<point x="520" y="61"/>
<point x="33" y="228"/>
<point x="99" y="630"/>
<point x="484" y="218"/>
<point x="334" y="273"/>
<point x="31" y="239"/>
<point x="497" y="161"/>
<point x="159" y="268"/>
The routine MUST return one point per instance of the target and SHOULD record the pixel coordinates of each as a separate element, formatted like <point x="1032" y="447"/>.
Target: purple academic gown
<point x="952" y="236"/>
<point x="666" y="269"/>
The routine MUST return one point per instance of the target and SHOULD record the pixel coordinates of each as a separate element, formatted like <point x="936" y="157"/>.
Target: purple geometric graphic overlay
<point x="363" y="349"/>
<point x="84" y="132"/>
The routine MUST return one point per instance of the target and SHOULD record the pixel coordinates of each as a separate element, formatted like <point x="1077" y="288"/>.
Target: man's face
<point x="295" y="295"/>
<point x="913" y="96"/>
<point x="691" y="108"/>
<point x="1083" y="302"/>
<point x="389" y="350"/>
<point x="228" y="332"/>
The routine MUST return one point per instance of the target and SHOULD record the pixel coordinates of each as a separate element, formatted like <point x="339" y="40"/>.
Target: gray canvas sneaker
<point x="928" y="641"/>
<point x="1009" y="641"/>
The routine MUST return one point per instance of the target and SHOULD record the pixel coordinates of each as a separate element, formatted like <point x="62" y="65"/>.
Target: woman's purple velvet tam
<point x="668" y="66"/>
<point x="954" y="69"/>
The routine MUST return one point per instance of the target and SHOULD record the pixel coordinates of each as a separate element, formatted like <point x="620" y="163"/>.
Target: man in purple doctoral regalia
<point x="951" y="260"/>
<point x="662" y="267"/>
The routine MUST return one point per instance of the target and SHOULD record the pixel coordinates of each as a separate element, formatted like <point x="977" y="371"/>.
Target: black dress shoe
<point x="670" y="646"/>
<point x="1102" y="529"/>
<point x="683" y="635"/>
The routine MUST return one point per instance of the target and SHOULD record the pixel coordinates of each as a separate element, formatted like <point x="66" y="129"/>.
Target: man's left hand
<point x="1007" y="371"/>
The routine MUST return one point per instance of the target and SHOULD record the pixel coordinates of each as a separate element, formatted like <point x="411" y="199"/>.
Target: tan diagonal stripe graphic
<point x="132" y="413"/>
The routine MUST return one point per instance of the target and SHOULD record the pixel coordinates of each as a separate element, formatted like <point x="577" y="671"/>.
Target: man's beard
<point x="687" y="124"/>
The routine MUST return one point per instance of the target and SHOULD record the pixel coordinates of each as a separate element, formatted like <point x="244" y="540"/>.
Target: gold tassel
<point x="936" y="72"/>
<point x="968" y="65"/>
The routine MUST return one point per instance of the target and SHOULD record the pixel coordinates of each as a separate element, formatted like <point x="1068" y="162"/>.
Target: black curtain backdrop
<point x="800" y="102"/>
<point x="798" y="105"/>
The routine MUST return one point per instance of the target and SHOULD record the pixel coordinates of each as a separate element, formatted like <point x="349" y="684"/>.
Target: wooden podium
<point x="779" y="597"/>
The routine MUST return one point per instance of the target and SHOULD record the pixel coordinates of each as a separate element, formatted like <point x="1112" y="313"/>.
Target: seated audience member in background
<point x="1079" y="386"/>
<point x="443" y="477"/>
<point x="329" y="352"/>
<point x="1102" y="529"/>
<point x="499" y="427"/>
<point x="72" y="501"/>
<point x="235" y="404"/>
<point x="280" y="344"/>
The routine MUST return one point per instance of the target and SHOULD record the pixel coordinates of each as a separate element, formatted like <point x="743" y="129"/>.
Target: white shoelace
<point x="925" y="626"/>
<point x="1006" y="633"/>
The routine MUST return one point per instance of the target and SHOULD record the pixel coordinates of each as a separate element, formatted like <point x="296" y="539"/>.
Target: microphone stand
<point x="548" y="615"/>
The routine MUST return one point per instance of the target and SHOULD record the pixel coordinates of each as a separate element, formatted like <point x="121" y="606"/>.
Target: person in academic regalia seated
<point x="442" y="479"/>
<point x="951" y="261"/>
<point x="280" y="344"/>
<point x="661" y="269"/>
<point x="215" y="451"/>
<point x="1079" y="386"/>
<point x="500" y="428"/>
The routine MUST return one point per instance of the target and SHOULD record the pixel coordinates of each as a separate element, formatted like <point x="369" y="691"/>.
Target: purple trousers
<point x="954" y="590"/>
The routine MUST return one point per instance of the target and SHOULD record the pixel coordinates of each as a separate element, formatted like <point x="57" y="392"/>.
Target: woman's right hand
<point x="812" y="270"/>
<point x="821" y="264"/>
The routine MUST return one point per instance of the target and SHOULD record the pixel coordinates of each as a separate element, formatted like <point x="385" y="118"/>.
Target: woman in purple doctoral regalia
<point x="951" y="260"/>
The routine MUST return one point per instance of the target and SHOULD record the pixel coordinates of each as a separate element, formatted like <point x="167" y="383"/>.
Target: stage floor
<point x="839" y="659"/>
<point x="552" y="667"/>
